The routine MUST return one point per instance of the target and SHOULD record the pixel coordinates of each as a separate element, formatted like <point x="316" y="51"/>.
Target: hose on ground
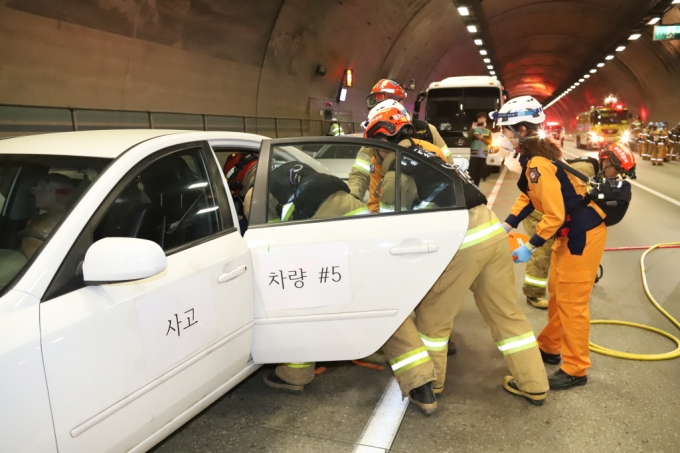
<point x="632" y="356"/>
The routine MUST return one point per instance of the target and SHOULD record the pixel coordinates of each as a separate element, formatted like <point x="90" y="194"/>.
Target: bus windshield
<point x="454" y="110"/>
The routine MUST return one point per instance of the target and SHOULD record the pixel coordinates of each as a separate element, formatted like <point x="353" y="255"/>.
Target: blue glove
<point x="521" y="254"/>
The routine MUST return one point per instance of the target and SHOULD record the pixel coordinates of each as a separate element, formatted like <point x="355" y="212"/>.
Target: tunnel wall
<point x="259" y="58"/>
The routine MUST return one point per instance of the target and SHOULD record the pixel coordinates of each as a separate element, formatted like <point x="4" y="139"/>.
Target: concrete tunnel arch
<point x="259" y="58"/>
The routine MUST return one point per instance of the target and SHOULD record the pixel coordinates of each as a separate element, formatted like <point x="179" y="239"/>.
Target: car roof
<point x="104" y="143"/>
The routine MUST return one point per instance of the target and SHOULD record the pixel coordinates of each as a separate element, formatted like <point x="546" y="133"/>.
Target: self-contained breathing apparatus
<point x="611" y="195"/>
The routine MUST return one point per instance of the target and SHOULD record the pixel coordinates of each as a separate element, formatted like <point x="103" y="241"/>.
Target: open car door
<point x="334" y="281"/>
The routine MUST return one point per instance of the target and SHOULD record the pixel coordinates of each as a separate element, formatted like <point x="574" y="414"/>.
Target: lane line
<point x="385" y="421"/>
<point x="643" y="187"/>
<point x="383" y="425"/>
<point x="496" y="188"/>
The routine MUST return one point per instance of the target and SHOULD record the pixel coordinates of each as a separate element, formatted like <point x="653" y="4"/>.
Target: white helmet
<point x="384" y="105"/>
<point x="519" y="110"/>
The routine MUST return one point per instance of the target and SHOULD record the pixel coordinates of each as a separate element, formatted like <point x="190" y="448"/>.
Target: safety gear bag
<point x="611" y="195"/>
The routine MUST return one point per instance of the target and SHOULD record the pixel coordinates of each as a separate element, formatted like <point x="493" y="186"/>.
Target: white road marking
<point x="643" y="187"/>
<point x="496" y="188"/>
<point x="382" y="427"/>
<point x="384" y="423"/>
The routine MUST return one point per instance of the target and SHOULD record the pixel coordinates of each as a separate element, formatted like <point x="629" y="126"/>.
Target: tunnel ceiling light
<point x="634" y="36"/>
<point x="609" y="57"/>
<point x="587" y="76"/>
<point x="581" y="80"/>
<point x="463" y="11"/>
<point x="577" y="83"/>
<point x="483" y="52"/>
<point x="472" y="28"/>
<point x="478" y="42"/>
<point x="593" y="71"/>
<point x="654" y="21"/>
<point x="620" y="48"/>
<point x="599" y="65"/>
<point x="492" y="72"/>
<point x="487" y="60"/>
<point x="489" y="67"/>
<point x="675" y="2"/>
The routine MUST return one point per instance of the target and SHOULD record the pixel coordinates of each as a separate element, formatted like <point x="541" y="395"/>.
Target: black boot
<point x="550" y="359"/>
<point x="510" y="386"/>
<point x="562" y="381"/>
<point x="424" y="398"/>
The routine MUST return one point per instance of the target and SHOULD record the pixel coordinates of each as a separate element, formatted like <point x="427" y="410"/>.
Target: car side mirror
<point x="122" y="259"/>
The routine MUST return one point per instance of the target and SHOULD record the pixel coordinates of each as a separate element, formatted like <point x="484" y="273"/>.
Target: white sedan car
<point x="130" y="300"/>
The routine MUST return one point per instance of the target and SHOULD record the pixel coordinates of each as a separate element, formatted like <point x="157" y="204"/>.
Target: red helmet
<point x="389" y="123"/>
<point x="621" y="157"/>
<point x="383" y="90"/>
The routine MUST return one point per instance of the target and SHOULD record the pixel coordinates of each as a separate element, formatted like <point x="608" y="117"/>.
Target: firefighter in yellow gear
<point x="674" y="142"/>
<point x="482" y="265"/>
<point x="642" y="142"/>
<point x="388" y="94"/>
<point x="335" y="128"/>
<point x="657" y="145"/>
<point x="635" y="130"/>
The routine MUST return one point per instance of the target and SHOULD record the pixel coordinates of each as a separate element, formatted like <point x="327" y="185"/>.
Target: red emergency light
<point x="619" y="107"/>
<point x="553" y="123"/>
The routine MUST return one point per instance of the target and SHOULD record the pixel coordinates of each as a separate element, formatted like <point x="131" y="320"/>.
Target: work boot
<point x="452" y="348"/>
<point x="275" y="382"/>
<point x="424" y="398"/>
<point x="438" y="390"/>
<point x="537" y="302"/>
<point x="560" y="380"/>
<point x="510" y="386"/>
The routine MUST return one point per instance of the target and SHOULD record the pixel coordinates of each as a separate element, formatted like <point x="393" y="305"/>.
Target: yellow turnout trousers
<point x="484" y="265"/>
<point x="571" y="281"/>
<point x="538" y="267"/>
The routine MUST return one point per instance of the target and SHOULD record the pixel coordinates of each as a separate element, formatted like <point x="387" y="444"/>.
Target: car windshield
<point x="36" y="193"/>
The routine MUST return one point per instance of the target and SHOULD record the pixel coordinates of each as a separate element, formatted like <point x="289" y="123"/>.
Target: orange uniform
<point x="580" y="236"/>
<point x="377" y="174"/>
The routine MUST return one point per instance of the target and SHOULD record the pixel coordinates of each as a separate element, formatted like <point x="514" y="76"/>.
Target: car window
<point x="173" y="201"/>
<point x="36" y="194"/>
<point x="422" y="186"/>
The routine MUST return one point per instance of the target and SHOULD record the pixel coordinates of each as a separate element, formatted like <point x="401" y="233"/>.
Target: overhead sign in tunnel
<point x="666" y="32"/>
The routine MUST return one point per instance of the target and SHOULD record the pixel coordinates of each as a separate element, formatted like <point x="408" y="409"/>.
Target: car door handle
<point x="233" y="274"/>
<point x="431" y="248"/>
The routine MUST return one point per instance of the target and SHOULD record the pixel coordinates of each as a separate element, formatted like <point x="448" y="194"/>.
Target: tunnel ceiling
<point x="239" y="57"/>
<point x="540" y="45"/>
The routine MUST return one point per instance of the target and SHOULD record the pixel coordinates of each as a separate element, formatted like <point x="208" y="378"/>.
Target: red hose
<point x="639" y="247"/>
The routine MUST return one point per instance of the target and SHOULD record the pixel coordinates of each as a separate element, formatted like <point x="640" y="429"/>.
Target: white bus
<point x="452" y="106"/>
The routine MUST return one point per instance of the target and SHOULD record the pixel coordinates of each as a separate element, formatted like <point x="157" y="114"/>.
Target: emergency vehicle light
<point x="553" y="123"/>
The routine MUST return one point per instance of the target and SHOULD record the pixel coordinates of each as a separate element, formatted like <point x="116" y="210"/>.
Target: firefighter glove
<point x="522" y="254"/>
